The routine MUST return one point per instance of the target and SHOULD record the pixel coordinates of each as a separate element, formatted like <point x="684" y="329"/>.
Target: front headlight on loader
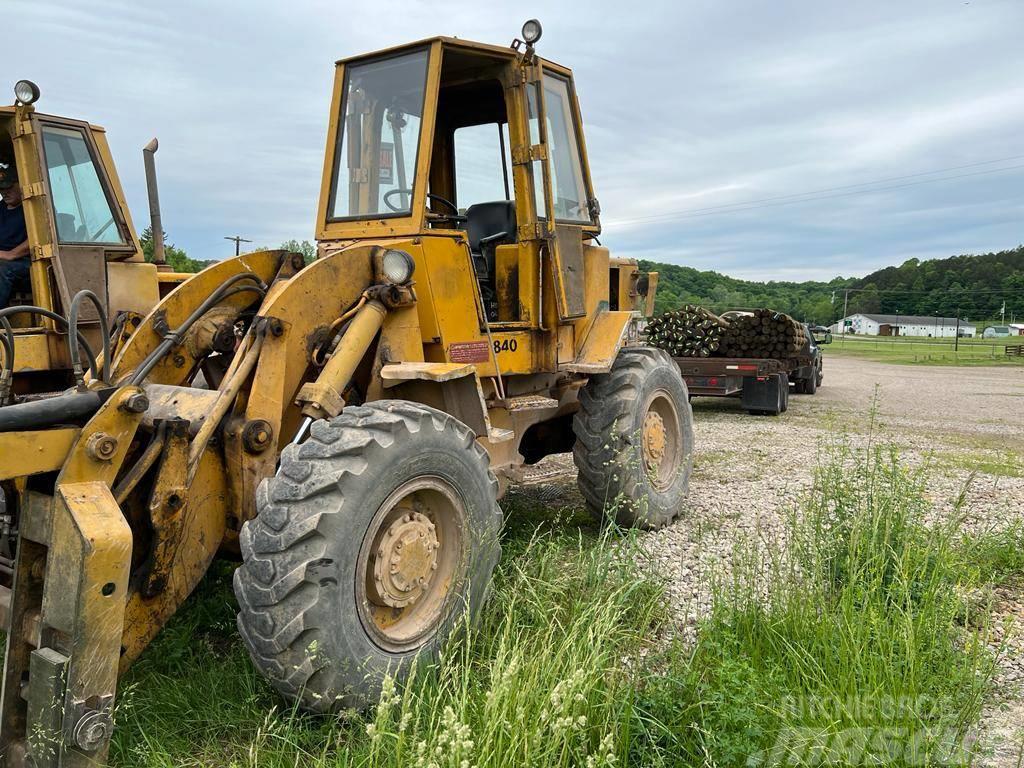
<point x="397" y="266"/>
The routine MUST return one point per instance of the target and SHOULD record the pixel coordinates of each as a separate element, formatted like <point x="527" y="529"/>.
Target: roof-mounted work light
<point x="26" y="92"/>
<point x="532" y="31"/>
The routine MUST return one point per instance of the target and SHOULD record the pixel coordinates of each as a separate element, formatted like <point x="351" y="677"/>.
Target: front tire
<point x="811" y="384"/>
<point x="634" y="440"/>
<point x="370" y="543"/>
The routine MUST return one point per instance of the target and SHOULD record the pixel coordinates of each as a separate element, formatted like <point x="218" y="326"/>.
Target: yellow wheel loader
<point x="343" y="428"/>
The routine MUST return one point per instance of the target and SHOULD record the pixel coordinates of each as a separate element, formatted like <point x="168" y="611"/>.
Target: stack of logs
<point x="695" y="332"/>
<point x="688" y="332"/>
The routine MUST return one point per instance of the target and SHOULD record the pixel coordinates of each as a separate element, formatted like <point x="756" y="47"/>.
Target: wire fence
<point x="932" y="349"/>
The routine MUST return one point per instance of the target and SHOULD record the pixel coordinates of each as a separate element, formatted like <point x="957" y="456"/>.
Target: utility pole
<point x="956" y="342"/>
<point x="238" y="240"/>
<point x="846" y="300"/>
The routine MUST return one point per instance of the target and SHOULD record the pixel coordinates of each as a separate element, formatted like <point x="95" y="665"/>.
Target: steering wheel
<point x="455" y="215"/>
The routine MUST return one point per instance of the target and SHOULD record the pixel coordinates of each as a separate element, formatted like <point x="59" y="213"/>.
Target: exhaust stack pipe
<point x="156" y="227"/>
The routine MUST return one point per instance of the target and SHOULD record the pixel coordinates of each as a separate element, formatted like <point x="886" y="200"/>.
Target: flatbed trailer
<point x="761" y="384"/>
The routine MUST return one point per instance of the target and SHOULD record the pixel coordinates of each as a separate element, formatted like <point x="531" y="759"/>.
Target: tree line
<point x="974" y="286"/>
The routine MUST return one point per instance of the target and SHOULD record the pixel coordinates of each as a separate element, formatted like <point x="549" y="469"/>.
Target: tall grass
<point x="544" y="679"/>
<point x="844" y="637"/>
<point x="842" y="644"/>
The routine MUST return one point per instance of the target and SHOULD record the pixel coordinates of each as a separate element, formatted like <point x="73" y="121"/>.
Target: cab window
<point x="567" y="188"/>
<point x="379" y="131"/>
<point x="481" y="164"/>
<point x="81" y="208"/>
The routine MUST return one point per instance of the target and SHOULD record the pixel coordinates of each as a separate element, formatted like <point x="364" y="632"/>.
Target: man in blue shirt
<point x="14" y="251"/>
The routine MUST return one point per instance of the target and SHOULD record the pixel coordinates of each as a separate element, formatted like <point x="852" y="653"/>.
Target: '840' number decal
<point x="505" y="345"/>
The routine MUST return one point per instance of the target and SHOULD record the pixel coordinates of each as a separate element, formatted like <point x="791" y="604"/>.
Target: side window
<point x="81" y="209"/>
<point x="566" y="170"/>
<point x="567" y="188"/>
<point x="482" y="164"/>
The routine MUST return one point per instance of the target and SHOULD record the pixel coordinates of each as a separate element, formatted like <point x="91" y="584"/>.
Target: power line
<point x="865" y="183"/>
<point x="909" y="290"/>
<point x="802" y="197"/>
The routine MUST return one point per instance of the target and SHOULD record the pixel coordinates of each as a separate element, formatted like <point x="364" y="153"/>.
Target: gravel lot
<point x="967" y="423"/>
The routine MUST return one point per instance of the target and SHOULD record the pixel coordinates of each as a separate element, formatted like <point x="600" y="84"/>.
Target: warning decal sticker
<point x="469" y="352"/>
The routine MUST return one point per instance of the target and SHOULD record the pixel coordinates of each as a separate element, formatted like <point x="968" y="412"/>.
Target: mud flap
<point x="762" y="395"/>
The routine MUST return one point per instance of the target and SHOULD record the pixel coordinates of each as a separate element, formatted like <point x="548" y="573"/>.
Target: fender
<point x="609" y="333"/>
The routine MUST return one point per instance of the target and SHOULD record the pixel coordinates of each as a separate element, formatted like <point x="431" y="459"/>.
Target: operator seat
<point x="489" y="225"/>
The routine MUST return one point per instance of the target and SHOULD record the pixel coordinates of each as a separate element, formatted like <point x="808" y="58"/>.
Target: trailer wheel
<point x="372" y="541"/>
<point x="634" y="440"/>
<point x="783" y="392"/>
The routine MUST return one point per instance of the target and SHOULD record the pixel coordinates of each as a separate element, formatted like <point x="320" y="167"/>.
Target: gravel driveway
<point x="748" y="472"/>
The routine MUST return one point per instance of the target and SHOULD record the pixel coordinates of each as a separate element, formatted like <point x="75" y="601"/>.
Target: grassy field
<point x="925" y="351"/>
<point x="850" y="628"/>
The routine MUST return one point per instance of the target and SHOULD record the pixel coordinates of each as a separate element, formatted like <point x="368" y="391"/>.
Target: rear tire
<point x="811" y="384"/>
<point x="370" y="543"/>
<point x="634" y="440"/>
<point x="783" y="392"/>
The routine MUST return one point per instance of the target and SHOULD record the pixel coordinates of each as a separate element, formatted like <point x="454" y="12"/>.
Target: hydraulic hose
<point x="76" y="360"/>
<point x="61" y="409"/>
<point x="29" y="309"/>
<point x="173" y="338"/>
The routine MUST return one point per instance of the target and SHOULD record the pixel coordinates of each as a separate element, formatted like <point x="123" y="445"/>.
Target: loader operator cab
<point x="80" y="237"/>
<point x="460" y="139"/>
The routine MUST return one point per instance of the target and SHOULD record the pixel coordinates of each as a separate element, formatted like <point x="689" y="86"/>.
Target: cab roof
<point x="8" y="110"/>
<point x="497" y="51"/>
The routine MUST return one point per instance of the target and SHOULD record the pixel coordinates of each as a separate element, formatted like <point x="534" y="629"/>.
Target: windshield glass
<point x="381" y="113"/>
<point x="81" y="209"/>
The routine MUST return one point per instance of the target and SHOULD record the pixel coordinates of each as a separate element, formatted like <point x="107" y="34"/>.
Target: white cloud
<point x="686" y="106"/>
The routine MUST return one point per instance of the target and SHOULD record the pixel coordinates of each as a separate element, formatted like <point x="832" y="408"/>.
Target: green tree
<point x="176" y="258"/>
<point x="306" y="248"/>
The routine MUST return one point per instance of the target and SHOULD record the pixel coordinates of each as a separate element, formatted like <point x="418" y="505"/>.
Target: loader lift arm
<point x="96" y="580"/>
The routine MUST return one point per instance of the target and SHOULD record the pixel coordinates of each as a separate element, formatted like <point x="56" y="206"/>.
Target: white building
<point x="903" y="325"/>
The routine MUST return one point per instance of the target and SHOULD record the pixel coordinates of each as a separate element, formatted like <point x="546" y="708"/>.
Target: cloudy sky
<point x="766" y="140"/>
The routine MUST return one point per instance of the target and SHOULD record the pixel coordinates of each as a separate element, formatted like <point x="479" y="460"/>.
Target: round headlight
<point x="26" y="92"/>
<point x="532" y="31"/>
<point x="397" y="266"/>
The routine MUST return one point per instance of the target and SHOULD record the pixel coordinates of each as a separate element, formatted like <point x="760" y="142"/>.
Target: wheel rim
<point x="661" y="439"/>
<point x="410" y="560"/>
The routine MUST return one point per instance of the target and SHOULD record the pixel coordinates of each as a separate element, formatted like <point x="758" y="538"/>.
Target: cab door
<point x="565" y="206"/>
<point x="86" y="225"/>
